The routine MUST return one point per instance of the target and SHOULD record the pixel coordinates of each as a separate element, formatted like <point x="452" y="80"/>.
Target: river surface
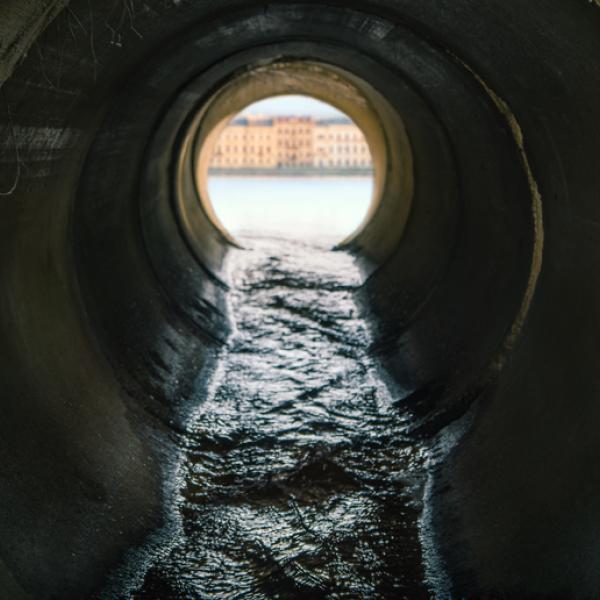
<point x="299" y="482"/>
<point x="292" y="206"/>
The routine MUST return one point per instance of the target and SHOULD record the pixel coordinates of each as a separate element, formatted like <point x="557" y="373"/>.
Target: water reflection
<point x="299" y="481"/>
<point x="312" y="207"/>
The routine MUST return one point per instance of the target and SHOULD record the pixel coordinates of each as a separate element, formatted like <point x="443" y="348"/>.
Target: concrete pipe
<point x="478" y="259"/>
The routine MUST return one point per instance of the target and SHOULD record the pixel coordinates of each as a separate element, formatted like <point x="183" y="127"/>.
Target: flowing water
<point x="299" y="480"/>
<point x="323" y="206"/>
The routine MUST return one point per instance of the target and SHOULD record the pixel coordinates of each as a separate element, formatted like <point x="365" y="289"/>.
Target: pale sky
<point x="293" y="105"/>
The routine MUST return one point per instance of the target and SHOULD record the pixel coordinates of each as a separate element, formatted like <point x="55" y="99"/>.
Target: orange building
<point x="294" y="141"/>
<point x="272" y="143"/>
<point x="248" y="143"/>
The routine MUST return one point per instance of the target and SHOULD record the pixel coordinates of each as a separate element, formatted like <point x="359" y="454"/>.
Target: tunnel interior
<point x="478" y="265"/>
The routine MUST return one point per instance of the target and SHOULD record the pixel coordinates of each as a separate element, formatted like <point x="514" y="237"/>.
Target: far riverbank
<point x="295" y="172"/>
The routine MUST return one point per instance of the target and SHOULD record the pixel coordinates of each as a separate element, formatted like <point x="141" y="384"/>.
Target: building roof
<point x="269" y="120"/>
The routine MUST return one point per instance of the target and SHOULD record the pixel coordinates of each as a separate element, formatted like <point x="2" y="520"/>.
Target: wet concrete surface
<point x="298" y="479"/>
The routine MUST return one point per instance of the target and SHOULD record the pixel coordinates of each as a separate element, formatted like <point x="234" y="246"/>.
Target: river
<point x="300" y="207"/>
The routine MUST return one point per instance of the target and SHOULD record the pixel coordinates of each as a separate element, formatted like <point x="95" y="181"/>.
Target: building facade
<point x="339" y="143"/>
<point x="247" y="144"/>
<point x="294" y="142"/>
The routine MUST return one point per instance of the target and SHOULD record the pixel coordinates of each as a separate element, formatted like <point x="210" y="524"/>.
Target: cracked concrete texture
<point x="21" y="22"/>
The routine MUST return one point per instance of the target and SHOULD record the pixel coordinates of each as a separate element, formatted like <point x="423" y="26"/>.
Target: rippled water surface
<point x="299" y="482"/>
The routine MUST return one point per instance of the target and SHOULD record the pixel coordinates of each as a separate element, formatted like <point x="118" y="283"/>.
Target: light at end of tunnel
<point x="291" y="166"/>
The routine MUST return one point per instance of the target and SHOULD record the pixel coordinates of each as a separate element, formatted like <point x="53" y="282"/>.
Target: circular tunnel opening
<point x="377" y="126"/>
<point x="291" y="166"/>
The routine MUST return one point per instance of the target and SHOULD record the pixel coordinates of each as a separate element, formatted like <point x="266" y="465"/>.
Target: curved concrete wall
<point x="486" y="306"/>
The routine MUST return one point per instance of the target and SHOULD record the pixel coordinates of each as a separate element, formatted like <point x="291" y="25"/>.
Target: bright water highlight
<point x="297" y="207"/>
<point x="299" y="480"/>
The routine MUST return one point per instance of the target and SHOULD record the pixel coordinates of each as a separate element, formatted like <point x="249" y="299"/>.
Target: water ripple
<point x="300" y="482"/>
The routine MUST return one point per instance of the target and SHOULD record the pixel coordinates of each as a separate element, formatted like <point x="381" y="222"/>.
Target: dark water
<point x="299" y="482"/>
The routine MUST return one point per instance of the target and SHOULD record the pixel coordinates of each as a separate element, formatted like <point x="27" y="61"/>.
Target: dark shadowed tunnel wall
<point x="480" y="262"/>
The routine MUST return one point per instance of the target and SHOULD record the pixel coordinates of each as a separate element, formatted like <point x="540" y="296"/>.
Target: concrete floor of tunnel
<point x="298" y="478"/>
